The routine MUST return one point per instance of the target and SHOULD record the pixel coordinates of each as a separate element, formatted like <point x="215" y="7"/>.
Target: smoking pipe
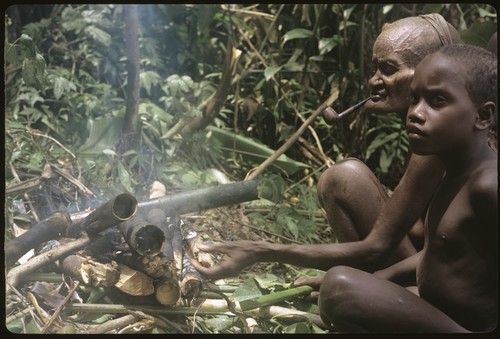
<point x="331" y="116"/>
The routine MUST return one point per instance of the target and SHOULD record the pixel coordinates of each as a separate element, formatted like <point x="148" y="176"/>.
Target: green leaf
<point x="270" y="71"/>
<point x="149" y="79"/>
<point x="124" y="177"/>
<point x="253" y="151"/>
<point x="28" y="72"/>
<point x="248" y="290"/>
<point x="325" y="45"/>
<point x="381" y="140"/>
<point x="297" y="33"/>
<point x="98" y="35"/>
<point x="61" y="86"/>
<point x="104" y="133"/>
<point x="12" y="54"/>
<point x="271" y="188"/>
<point x="301" y="327"/>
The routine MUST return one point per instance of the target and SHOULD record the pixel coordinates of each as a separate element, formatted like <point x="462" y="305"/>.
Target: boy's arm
<point x="403" y="272"/>
<point x="407" y="204"/>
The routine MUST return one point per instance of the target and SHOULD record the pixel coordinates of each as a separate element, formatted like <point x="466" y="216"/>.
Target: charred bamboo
<point x="173" y="249"/>
<point x="191" y="282"/>
<point x="91" y="272"/>
<point x="48" y="229"/>
<point x="143" y="237"/>
<point x="119" y="209"/>
<point x="203" y="199"/>
<point x="192" y="242"/>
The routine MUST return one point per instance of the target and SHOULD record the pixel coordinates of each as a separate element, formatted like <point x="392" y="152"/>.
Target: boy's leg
<point x="352" y="300"/>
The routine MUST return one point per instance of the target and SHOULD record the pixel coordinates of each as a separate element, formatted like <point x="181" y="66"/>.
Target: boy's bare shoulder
<point x="483" y="184"/>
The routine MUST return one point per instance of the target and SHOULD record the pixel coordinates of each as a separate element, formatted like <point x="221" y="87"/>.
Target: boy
<point x="453" y="105"/>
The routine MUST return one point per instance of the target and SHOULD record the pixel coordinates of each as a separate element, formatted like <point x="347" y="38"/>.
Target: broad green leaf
<point x="325" y="45"/>
<point x="151" y="108"/>
<point x="98" y="35"/>
<point x="124" y="177"/>
<point x="297" y="33"/>
<point x="149" y="79"/>
<point x="300" y="327"/>
<point x="478" y="33"/>
<point x="253" y="151"/>
<point x="248" y="290"/>
<point x="380" y="141"/>
<point x="61" y="86"/>
<point x="104" y="133"/>
<point x="221" y="322"/>
<point x="270" y="71"/>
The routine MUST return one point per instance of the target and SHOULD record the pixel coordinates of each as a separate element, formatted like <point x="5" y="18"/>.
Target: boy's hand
<point x="314" y="282"/>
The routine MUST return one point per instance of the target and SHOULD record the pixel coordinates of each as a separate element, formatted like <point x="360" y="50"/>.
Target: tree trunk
<point x="133" y="72"/>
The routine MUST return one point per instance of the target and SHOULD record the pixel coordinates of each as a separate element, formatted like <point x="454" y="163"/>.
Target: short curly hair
<point x="480" y="67"/>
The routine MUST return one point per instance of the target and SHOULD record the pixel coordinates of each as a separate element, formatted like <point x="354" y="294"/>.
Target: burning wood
<point x="91" y="272"/>
<point x="134" y="282"/>
<point x="153" y="260"/>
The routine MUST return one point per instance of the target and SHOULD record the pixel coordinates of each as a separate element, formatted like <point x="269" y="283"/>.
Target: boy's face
<point x="441" y="115"/>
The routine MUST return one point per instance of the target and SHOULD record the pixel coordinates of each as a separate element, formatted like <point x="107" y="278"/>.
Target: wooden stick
<point x="15" y="275"/>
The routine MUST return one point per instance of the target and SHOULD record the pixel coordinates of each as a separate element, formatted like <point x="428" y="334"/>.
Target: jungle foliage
<point x="221" y="87"/>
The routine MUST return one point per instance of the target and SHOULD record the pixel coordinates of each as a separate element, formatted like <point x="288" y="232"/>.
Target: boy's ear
<point x="485" y="115"/>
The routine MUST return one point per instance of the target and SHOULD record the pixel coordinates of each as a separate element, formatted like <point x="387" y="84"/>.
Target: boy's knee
<point x="338" y="279"/>
<point x="335" y="286"/>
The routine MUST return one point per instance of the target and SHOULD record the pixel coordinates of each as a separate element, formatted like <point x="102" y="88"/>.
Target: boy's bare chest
<point x="450" y="211"/>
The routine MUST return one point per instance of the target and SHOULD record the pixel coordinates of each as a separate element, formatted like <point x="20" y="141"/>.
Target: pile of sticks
<point x="148" y="253"/>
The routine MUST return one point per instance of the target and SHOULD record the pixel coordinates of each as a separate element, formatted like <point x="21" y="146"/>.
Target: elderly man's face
<point x="393" y="73"/>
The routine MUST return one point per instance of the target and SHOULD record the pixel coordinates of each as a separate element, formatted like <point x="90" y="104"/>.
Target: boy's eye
<point x="438" y="101"/>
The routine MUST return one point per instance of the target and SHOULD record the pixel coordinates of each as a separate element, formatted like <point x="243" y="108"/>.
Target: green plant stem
<point x="209" y="306"/>
<point x="274" y="298"/>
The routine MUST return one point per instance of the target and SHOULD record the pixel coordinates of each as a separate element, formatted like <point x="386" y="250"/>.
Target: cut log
<point x="167" y="290"/>
<point x="134" y="282"/>
<point x="91" y="272"/>
<point x="154" y="266"/>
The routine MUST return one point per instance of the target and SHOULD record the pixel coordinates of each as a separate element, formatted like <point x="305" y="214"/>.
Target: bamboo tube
<point x="113" y="212"/>
<point x="167" y="290"/>
<point x="48" y="229"/>
<point x="203" y="199"/>
<point x="143" y="237"/>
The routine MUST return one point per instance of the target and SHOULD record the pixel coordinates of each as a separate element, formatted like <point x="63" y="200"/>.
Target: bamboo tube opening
<point x="124" y="206"/>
